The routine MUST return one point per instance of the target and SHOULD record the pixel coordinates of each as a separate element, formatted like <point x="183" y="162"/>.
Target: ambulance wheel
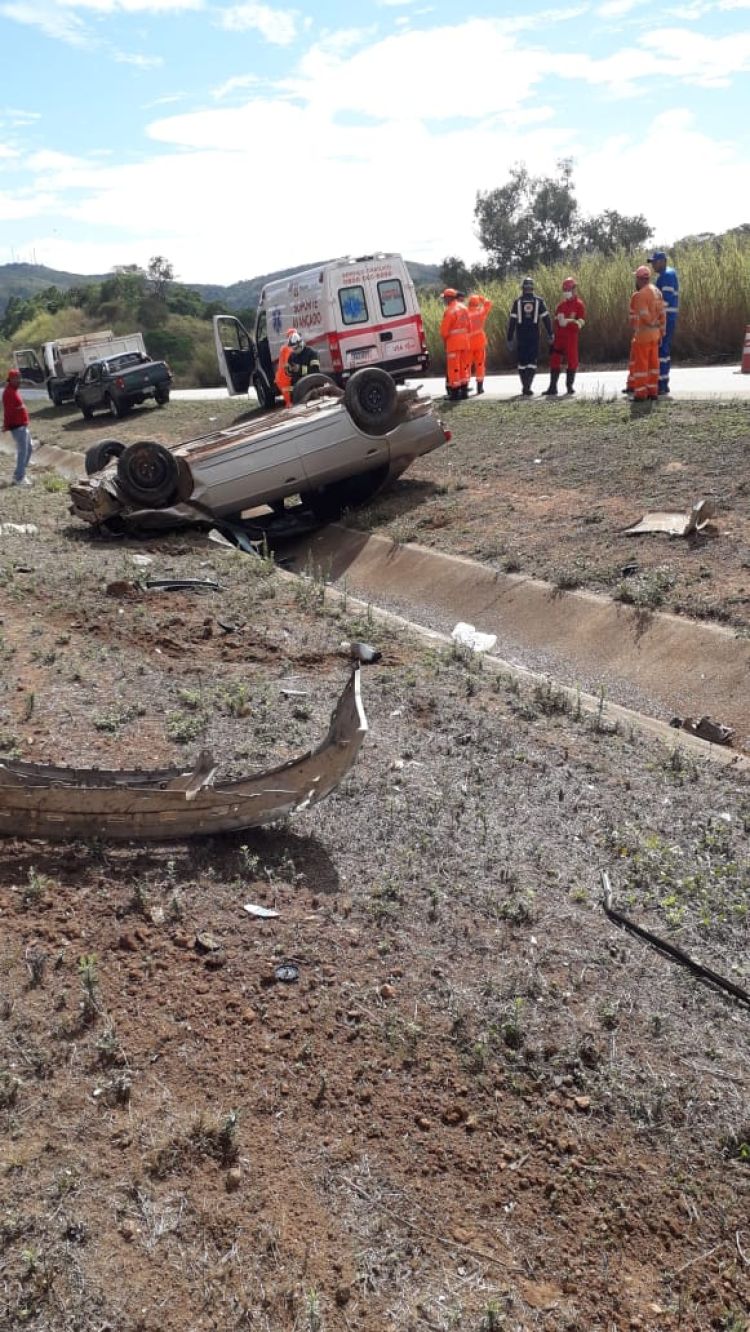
<point x="371" y="399"/>
<point x="329" y="502"/>
<point x="99" y="455"/>
<point x="314" y="384"/>
<point x="266" y="392"/>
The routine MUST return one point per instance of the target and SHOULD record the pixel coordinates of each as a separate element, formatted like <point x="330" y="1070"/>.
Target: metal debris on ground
<point x="705" y="729"/>
<point x="473" y="639"/>
<point x="697" y="520"/>
<point x="363" y="652"/>
<point x="19" y="529"/>
<point x="260" y="912"/>
<point x="286" y="971"/>
<point x="701" y="973"/>
<point x="142" y="560"/>
<point x="182" y="585"/>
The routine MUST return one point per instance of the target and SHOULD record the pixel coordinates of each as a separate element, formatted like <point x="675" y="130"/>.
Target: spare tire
<point x="99" y="455"/>
<point x="148" y="474"/>
<point x="371" y="399"/>
<point x="311" y="384"/>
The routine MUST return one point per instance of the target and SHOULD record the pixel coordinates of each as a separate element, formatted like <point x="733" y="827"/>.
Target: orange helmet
<point x="569" y="284"/>
<point x="642" y="271"/>
<point x="449" y="294"/>
<point x="474" y="301"/>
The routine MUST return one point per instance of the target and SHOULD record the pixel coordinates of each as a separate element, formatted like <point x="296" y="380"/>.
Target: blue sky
<point x="240" y="138"/>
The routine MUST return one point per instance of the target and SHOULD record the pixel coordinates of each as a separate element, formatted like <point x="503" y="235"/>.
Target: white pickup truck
<point x="57" y="366"/>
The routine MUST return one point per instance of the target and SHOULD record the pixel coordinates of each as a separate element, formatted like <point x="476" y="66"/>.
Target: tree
<point x="528" y="221"/>
<point x="454" y="273"/>
<point x="160" y="273"/>
<point x="535" y="220"/>
<point x="608" y="232"/>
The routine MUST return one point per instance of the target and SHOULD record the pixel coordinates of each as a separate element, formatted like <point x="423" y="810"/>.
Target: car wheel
<point x="57" y="398"/>
<point x="115" y="407"/>
<point x="86" y="412"/>
<point x="102" y="453"/>
<point x="161" y="397"/>
<point x="321" y="385"/>
<point x="329" y="502"/>
<point x="266" y="393"/>
<point x="371" y="399"/>
<point x="148" y="474"/>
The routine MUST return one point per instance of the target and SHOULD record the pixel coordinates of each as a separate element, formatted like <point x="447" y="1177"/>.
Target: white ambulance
<point x="353" y="312"/>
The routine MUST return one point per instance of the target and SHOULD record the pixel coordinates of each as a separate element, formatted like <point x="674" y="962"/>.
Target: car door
<point x="87" y="388"/>
<point x="235" y="352"/>
<point x="32" y="370"/>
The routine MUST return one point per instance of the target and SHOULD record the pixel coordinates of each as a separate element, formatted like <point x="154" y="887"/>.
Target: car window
<point x="123" y="362"/>
<point x="353" y="305"/>
<point x="261" y="331"/>
<point x="234" y="337"/>
<point x="391" y="296"/>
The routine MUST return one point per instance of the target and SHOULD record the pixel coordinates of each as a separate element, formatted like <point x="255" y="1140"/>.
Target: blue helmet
<point x="656" y="256"/>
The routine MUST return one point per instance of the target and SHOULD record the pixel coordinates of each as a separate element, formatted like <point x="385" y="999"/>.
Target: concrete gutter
<point x="654" y="663"/>
<point x="63" y="461"/>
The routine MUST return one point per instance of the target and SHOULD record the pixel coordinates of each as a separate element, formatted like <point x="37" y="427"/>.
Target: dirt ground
<point x="480" y="1106"/>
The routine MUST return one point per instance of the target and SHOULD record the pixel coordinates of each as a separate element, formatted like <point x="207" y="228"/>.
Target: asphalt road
<point x="715" y="381"/>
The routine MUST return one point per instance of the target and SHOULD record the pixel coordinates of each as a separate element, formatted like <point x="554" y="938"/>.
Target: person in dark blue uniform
<point x="527" y="313"/>
<point x="668" y="284"/>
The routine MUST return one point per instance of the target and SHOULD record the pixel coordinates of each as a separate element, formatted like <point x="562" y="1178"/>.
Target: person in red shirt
<point x="16" y="420"/>
<point x="570" y="316"/>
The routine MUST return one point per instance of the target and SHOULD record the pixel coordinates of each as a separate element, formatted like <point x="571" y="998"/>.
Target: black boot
<point x="480" y="386"/>
<point x="570" y="379"/>
<point x="528" y="391"/>
<point x="551" y="392"/>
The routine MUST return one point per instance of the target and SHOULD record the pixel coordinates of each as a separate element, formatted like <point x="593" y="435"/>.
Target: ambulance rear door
<point x="378" y="321"/>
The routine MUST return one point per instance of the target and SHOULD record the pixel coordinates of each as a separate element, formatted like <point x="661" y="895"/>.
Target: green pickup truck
<point x="117" y="384"/>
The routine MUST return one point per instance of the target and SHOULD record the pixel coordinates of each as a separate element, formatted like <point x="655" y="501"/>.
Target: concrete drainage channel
<point x="647" y="664"/>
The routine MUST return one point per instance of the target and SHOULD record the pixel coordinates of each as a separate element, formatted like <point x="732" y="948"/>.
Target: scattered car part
<point x="260" y="912"/>
<point x="362" y="652"/>
<point x="705" y="729"/>
<point x="676" y="524"/>
<point x="286" y="971"/>
<point x="473" y="639"/>
<point x="182" y="585"/>
<point x="704" y="974"/>
<point x="60" y="804"/>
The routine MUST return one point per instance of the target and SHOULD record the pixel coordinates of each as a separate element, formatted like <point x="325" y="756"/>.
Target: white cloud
<point x="139" y="61"/>
<point x="278" y="26"/>
<point x="60" y="24"/>
<point x="618" y="8"/>
<point x="239" y="83"/>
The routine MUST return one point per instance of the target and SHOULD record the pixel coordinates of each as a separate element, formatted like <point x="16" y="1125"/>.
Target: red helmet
<point x="13" y="373"/>
<point x="569" y="284"/>
<point x="643" y="271"/>
<point x="449" y="294"/>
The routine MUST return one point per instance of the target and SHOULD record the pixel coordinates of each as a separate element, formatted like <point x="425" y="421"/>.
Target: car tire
<point x="265" y="392"/>
<point x="57" y="398"/>
<point x="148" y="474"/>
<point x="99" y="455"/>
<point x="309" y="384"/>
<point x="371" y="399"/>
<point x="329" y="502"/>
<point x="161" y="397"/>
<point x="86" y="412"/>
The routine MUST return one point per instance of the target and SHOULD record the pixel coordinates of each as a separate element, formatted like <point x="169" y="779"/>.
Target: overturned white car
<point x="334" y="450"/>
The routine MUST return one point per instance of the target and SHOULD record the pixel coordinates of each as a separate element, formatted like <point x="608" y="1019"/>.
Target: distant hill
<point x="26" y="280"/>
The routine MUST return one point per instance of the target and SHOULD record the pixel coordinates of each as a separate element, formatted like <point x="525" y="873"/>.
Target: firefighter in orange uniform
<point x="478" y="307"/>
<point x="282" y="378"/>
<point x="570" y="317"/>
<point x="454" y="330"/>
<point x="648" y="320"/>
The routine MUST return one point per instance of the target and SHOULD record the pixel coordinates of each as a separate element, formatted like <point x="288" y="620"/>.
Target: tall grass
<point x="714" y="304"/>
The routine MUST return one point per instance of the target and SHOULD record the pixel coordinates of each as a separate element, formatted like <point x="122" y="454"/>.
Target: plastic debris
<point x="286" y="971"/>
<point x="142" y="560"/>
<point x="473" y="639"/>
<point x="260" y="912"/>
<point x="676" y="524"/>
<point x="363" y="652"/>
<point x="18" y="529"/>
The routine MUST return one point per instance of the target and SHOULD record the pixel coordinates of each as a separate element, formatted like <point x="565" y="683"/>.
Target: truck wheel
<point x="309" y="384"/>
<point x="57" y="397"/>
<point x="161" y="397"/>
<point x="87" y="412"/>
<point x="148" y="474"/>
<point x="329" y="502"/>
<point x="266" y="392"/>
<point x="115" y="407"/>
<point x="371" y="399"/>
<point x="99" y="455"/>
